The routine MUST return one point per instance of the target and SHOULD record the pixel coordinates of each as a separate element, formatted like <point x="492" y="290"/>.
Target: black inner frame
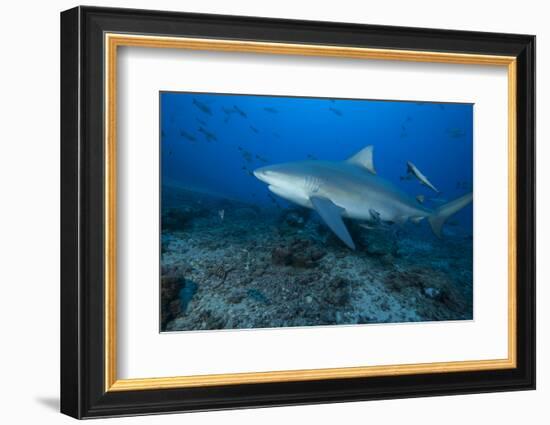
<point x="82" y="208"/>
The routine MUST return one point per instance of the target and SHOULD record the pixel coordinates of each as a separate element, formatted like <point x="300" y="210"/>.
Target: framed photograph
<point x="261" y="212"/>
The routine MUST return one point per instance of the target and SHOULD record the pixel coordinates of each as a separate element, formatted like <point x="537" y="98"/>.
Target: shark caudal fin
<point x="441" y="214"/>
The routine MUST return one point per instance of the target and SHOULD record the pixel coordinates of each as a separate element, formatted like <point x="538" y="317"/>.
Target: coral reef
<point x="263" y="268"/>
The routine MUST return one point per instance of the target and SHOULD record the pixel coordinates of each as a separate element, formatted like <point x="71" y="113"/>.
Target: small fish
<point x="439" y="201"/>
<point x="271" y="110"/>
<point x="420" y="198"/>
<point x="186" y="293"/>
<point x="209" y="136"/>
<point x="202" y="122"/>
<point x="228" y="112"/>
<point x="375" y="216"/>
<point x="463" y="185"/>
<point x="455" y="133"/>
<point x="239" y="111"/>
<point x="276" y="135"/>
<point x="221" y="213"/>
<point x="335" y="111"/>
<point x="188" y="136"/>
<point x="403" y="132"/>
<point x="258" y="296"/>
<point x="247" y="156"/>
<point x="273" y="200"/>
<point x="254" y="129"/>
<point x="163" y="133"/>
<point x="411" y="169"/>
<point x="312" y="157"/>
<point x="366" y="226"/>
<point x="202" y="107"/>
<point x="259" y="158"/>
<point x="375" y="221"/>
<point x="441" y="106"/>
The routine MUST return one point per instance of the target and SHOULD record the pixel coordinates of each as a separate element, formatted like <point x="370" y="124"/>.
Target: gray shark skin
<point x="351" y="189"/>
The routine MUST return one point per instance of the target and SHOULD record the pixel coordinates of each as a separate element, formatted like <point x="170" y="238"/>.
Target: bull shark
<point x="351" y="189"/>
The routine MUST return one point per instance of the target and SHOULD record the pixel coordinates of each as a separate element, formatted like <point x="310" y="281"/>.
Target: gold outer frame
<point x="113" y="41"/>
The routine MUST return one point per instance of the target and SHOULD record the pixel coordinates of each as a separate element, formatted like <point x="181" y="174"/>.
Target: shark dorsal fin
<point x="364" y="159"/>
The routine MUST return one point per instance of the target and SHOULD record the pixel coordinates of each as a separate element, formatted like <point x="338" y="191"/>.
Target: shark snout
<point x="258" y="173"/>
<point x="263" y="174"/>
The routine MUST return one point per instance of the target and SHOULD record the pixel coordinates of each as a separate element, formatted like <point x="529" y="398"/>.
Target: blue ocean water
<point x="215" y="148"/>
<point x="256" y="260"/>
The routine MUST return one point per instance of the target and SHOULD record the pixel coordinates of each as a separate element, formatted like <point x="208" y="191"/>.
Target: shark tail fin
<point x="441" y="214"/>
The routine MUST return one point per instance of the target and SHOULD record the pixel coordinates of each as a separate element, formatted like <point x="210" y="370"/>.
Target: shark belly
<point x="294" y="195"/>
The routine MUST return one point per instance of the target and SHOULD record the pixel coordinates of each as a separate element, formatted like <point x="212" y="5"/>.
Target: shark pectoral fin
<point x="364" y="159"/>
<point x="332" y="216"/>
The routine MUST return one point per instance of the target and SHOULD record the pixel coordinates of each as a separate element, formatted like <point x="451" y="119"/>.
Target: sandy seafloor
<point x="282" y="267"/>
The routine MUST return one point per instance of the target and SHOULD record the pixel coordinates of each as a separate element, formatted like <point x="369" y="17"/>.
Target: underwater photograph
<point x="281" y="211"/>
